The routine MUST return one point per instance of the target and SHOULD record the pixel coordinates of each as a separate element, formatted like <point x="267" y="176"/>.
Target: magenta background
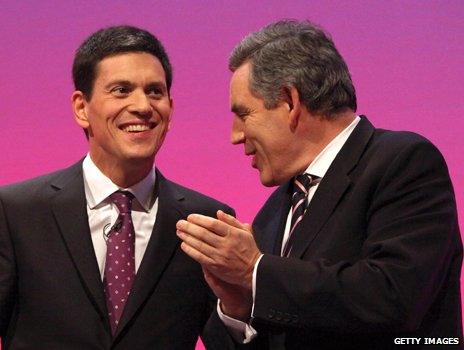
<point x="406" y="59"/>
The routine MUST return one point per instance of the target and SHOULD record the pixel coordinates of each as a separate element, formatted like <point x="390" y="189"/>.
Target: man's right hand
<point x="235" y="301"/>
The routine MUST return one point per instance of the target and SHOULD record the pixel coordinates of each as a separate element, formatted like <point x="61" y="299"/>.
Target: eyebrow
<point x="118" y="82"/>
<point x="156" y="84"/>
<point x="239" y="109"/>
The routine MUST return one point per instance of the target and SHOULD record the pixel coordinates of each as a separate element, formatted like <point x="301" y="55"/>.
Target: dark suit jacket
<point x="377" y="256"/>
<point x="51" y="293"/>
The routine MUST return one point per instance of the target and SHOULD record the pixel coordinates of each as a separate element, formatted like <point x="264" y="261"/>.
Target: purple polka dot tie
<point x="120" y="262"/>
<point x="301" y="186"/>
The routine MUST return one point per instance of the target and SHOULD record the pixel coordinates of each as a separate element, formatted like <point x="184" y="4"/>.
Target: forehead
<point x="239" y="84"/>
<point x="240" y="78"/>
<point x="240" y="94"/>
<point x="130" y="65"/>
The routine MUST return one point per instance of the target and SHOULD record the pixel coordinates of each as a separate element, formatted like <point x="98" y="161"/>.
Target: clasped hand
<point x="224" y="247"/>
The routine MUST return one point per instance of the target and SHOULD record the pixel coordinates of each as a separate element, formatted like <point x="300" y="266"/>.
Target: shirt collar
<point x="98" y="187"/>
<point x="324" y="159"/>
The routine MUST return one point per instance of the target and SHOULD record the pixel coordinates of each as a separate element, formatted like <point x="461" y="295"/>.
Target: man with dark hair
<point x="89" y="258"/>
<point x="359" y="247"/>
<point x="112" y="41"/>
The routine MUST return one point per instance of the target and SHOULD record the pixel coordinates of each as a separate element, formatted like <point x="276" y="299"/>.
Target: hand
<point x="236" y="302"/>
<point x="224" y="246"/>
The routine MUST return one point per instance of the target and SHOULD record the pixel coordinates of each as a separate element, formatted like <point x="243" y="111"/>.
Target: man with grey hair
<point x="359" y="246"/>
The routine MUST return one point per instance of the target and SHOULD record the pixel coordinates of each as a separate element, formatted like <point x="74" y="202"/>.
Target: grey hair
<point x="291" y="53"/>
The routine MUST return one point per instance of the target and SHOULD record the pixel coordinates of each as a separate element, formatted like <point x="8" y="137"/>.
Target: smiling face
<point x="266" y="134"/>
<point x="129" y="112"/>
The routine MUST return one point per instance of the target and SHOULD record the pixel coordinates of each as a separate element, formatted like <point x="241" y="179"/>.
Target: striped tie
<point x="301" y="186"/>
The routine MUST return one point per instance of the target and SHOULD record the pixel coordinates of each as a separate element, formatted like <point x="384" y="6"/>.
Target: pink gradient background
<point x="406" y="60"/>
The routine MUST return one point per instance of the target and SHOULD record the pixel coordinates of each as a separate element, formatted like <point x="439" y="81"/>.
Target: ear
<point x="292" y="98"/>
<point x="78" y="106"/>
<point x="171" y="102"/>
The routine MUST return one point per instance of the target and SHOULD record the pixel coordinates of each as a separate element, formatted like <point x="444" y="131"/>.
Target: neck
<point x="318" y="132"/>
<point x="124" y="174"/>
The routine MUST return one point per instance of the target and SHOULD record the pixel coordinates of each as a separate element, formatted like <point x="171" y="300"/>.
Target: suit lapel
<point x="269" y="223"/>
<point x="281" y="216"/>
<point x="319" y="210"/>
<point x="69" y="208"/>
<point x="161" y="247"/>
<point x="332" y="187"/>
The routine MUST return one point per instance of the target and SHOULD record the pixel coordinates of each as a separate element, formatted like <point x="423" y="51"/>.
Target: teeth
<point x="137" y="127"/>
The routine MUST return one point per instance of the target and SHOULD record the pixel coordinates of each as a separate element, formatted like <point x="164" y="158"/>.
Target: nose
<point x="140" y="103"/>
<point x="237" y="134"/>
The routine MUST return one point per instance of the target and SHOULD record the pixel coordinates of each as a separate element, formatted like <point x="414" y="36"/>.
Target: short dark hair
<point x="111" y="41"/>
<point x="293" y="53"/>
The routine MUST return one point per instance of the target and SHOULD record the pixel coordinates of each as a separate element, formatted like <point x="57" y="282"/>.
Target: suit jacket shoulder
<point x="32" y="189"/>
<point x="197" y="202"/>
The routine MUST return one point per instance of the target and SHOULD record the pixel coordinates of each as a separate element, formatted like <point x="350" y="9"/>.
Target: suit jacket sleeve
<point x="7" y="273"/>
<point x="411" y="237"/>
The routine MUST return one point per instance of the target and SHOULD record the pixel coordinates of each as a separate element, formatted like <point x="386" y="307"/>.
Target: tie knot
<point x="122" y="200"/>
<point x="304" y="181"/>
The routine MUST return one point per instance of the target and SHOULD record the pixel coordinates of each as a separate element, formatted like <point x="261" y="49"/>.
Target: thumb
<point x="248" y="227"/>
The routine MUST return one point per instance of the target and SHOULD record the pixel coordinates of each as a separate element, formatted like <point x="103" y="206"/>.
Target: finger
<point x="229" y="219"/>
<point x="198" y="245"/>
<point x="209" y="277"/>
<point x="218" y="287"/>
<point x="199" y="233"/>
<point x="211" y="224"/>
<point x="196" y="255"/>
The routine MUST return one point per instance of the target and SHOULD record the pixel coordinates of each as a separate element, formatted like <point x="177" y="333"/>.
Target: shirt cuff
<point x="253" y="284"/>
<point x="241" y="332"/>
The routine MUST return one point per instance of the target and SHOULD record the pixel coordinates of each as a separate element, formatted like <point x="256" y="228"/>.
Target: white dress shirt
<point x="243" y="332"/>
<point x="102" y="213"/>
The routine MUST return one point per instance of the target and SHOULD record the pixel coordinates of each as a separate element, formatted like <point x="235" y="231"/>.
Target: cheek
<point x="275" y="151"/>
<point x="163" y="109"/>
<point x="103" y="113"/>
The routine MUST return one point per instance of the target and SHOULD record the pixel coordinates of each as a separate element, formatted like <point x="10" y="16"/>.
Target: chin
<point x="140" y="157"/>
<point x="268" y="181"/>
<point x="141" y="153"/>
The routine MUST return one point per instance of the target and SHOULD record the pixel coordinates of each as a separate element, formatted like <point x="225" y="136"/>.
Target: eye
<point x="120" y="91"/>
<point x="242" y="115"/>
<point x="241" y="112"/>
<point x="156" y="92"/>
